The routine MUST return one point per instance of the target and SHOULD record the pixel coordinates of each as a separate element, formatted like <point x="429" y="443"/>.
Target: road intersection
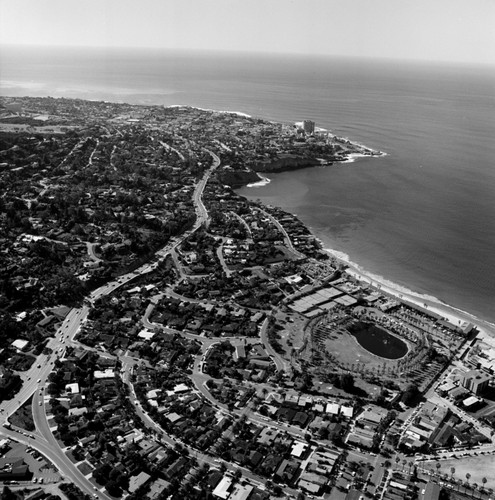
<point x="35" y="379"/>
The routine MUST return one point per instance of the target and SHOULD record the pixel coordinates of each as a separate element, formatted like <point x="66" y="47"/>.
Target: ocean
<point x="422" y="217"/>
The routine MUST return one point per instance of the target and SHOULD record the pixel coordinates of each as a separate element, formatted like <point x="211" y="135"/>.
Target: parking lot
<point x="43" y="472"/>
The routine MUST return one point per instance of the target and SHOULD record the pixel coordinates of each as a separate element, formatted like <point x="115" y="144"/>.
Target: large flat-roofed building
<point x="430" y="492"/>
<point x="476" y="381"/>
<point x="223" y="488"/>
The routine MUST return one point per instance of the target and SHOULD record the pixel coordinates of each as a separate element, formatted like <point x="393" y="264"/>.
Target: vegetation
<point x="23" y="417"/>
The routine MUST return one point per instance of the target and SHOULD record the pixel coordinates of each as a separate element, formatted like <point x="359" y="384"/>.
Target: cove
<point x="378" y="341"/>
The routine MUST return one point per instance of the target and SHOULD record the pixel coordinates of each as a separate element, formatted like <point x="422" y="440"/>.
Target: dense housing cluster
<point x="189" y="343"/>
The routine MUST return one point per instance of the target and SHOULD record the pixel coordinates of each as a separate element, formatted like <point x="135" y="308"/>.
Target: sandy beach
<point x="453" y="315"/>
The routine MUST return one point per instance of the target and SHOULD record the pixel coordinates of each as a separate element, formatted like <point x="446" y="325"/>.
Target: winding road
<point x="35" y="378"/>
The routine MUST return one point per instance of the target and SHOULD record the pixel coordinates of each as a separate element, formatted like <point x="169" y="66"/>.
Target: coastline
<point x="452" y="314"/>
<point x="351" y="158"/>
<point x="262" y="182"/>
<point x="238" y="113"/>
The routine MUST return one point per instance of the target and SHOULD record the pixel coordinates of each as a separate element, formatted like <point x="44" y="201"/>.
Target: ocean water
<point x="422" y="217"/>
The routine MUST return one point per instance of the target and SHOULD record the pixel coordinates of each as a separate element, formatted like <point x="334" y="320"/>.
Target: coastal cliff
<point x="285" y="162"/>
<point x="238" y="178"/>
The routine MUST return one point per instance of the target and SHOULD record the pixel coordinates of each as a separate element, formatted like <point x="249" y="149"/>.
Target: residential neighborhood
<point x="165" y="338"/>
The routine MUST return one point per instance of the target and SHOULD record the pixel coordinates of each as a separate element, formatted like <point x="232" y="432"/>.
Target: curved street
<point x="35" y="378"/>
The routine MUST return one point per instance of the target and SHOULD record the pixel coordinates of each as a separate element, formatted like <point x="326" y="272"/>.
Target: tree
<point x="484" y="482"/>
<point x="452" y="472"/>
<point x="100" y="475"/>
<point x="410" y="395"/>
<point x="347" y="382"/>
<point x="438" y="466"/>
<point x="474" y="486"/>
<point x="8" y="494"/>
<point x="113" y="488"/>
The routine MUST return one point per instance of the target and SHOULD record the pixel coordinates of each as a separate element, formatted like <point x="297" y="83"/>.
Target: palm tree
<point x="452" y="472"/>
<point x="438" y="467"/>
<point x="474" y="486"/>
<point x="484" y="482"/>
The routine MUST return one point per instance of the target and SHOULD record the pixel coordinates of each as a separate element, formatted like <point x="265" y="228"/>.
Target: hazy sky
<point x="450" y="30"/>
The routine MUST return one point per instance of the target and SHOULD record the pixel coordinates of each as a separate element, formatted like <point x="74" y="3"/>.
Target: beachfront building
<point x="475" y="381"/>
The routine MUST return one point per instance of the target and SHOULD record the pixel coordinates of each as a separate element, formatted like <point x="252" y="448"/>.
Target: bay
<point x="422" y="217"/>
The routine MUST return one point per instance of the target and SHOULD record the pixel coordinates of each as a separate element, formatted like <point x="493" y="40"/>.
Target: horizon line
<point x="261" y="53"/>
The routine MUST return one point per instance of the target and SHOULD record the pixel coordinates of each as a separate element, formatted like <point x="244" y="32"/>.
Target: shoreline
<point x="262" y="182"/>
<point x="238" y="113"/>
<point x="454" y="315"/>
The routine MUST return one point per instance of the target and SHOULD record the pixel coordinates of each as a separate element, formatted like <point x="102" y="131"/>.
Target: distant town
<point x="163" y="337"/>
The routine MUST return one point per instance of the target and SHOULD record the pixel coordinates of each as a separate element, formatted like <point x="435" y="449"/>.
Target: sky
<point x="430" y="30"/>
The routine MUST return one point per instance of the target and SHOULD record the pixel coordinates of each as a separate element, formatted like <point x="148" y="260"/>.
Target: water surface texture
<point x="422" y="217"/>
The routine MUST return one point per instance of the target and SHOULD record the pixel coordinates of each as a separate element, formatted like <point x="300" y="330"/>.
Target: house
<point x="77" y="412"/>
<point x="287" y="471"/>
<point x="372" y="416"/>
<point x="241" y="492"/>
<point x="222" y="489"/>
<point x="72" y="388"/>
<point x="298" y="449"/>
<point x="108" y="373"/>
<point x="136" y="482"/>
<point x="271" y="463"/>
<point x="255" y="457"/>
<point x="157" y="488"/>
<point x="239" y="353"/>
<point x="176" y="467"/>
<point x="20" y="344"/>
<point x="300" y="418"/>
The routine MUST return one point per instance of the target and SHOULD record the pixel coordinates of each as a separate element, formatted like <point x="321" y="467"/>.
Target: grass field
<point x="479" y="467"/>
<point x="23" y="417"/>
